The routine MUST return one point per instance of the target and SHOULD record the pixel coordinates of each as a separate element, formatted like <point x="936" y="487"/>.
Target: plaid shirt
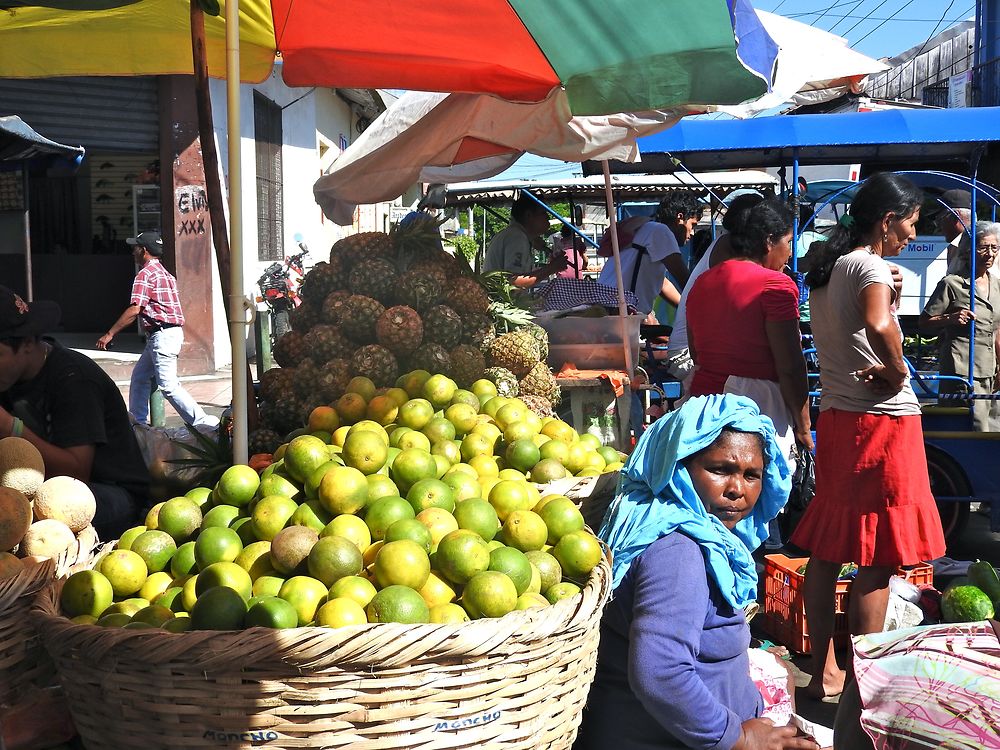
<point x="155" y="292"/>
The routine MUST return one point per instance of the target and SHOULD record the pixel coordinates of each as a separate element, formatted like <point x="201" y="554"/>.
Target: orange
<point x="485" y="465"/>
<point x="86" y="592"/>
<point x="578" y="553"/>
<point x="439" y="429"/>
<point x="351" y="407"/>
<point x="180" y="517"/>
<point x="431" y="493"/>
<point x="561" y="516"/>
<point x="524" y="530"/>
<point x="368" y="425"/>
<point x="237" y="485"/>
<point x="384" y="512"/>
<point x="510" y="413"/>
<point x="492" y="405"/>
<point x="272" y="612"/>
<point x="154" y="615"/>
<point x="442" y="463"/>
<point x="462" y="554"/>
<point x="404" y="563"/>
<point x="398" y="604"/>
<point x="341" y="612"/>
<point x="304" y="455"/>
<point x="219" y="608"/>
<point x="548" y="569"/>
<point x="178" y="624"/>
<point x="270" y="515"/>
<point x="363" y="386"/>
<point x="448" y="449"/>
<point x="311" y="485"/>
<point x="333" y="558"/>
<point x="268" y="584"/>
<point x="514" y="564"/>
<point x="519" y="431"/>
<point x="155" y="585"/>
<point x="577" y="458"/>
<point x="183" y="562"/>
<point x="343" y="490"/>
<point x="475" y="514"/>
<point x="244" y="529"/>
<point x="312" y="514"/>
<point x="414" y="439"/>
<point x="509" y="495"/>
<point x="439" y="389"/>
<point x="356" y="588"/>
<point x="464" y="484"/>
<point x="379" y="485"/>
<point x="382" y="409"/>
<point x="413" y="382"/>
<point x="529" y="600"/>
<point x="216" y="544"/>
<point x="129" y="536"/>
<point x="462" y="416"/>
<point x="522" y="454"/>
<point x="399" y="395"/>
<point x="290" y="548"/>
<point x="202" y="497"/>
<point x="323" y="418"/>
<point x="484" y="389"/>
<point x="561" y="591"/>
<point x="448" y="614"/>
<point x="221" y="516"/>
<point x="415" y="413"/>
<point x="489" y="594"/>
<point x="227" y="574"/>
<point x="437" y="590"/>
<point x="305" y="594"/>
<point x="411" y="466"/>
<point x="339" y="436"/>
<point x="547" y="470"/>
<point x="171" y="598"/>
<point x="152" y="515"/>
<point x="351" y="528"/>
<point x="412" y="529"/>
<point x="475" y="444"/>
<point x="365" y="451"/>
<point x="559" y="430"/>
<point x="113" y="620"/>
<point x="255" y="559"/>
<point x="125" y="570"/>
<point x="156" y="548"/>
<point x="438" y="522"/>
<point x="396" y="434"/>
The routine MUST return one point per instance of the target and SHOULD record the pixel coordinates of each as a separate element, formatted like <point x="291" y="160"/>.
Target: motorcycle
<point x="279" y="289"/>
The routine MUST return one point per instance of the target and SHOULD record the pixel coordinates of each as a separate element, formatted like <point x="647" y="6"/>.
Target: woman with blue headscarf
<point x="695" y="498"/>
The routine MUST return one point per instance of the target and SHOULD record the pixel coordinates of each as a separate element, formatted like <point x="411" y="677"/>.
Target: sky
<point x="877" y="28"/>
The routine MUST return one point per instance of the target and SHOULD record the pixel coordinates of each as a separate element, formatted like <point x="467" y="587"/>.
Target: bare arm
<point x="678" y="268"/>
<point x="933" y="322"/>
<point x="670" y="293"/>
<point x="884" y="338"/>
<point x="77" y="461"/>
<point x="786" y="347"/>
<point x="538" y="275"/>
<point x="125" y="319"/>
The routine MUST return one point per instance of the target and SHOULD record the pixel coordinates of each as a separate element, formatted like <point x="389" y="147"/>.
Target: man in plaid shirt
<point x="156" y="303"/>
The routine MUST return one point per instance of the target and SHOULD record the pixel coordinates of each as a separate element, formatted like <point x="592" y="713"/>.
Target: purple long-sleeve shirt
<point x="672" y="670"/>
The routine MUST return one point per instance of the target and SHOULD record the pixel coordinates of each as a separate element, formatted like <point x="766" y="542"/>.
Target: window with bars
<point x="267" y="133"/>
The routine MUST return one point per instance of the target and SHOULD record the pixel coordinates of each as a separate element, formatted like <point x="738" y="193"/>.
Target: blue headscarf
<point x="656" y="495"/>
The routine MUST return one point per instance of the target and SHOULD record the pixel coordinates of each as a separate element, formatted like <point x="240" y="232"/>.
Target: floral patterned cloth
<point x="931" y="687"/>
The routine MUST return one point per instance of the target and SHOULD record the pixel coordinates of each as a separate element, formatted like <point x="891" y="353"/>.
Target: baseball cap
<point x="20" y="318"/>
<point x="152" y="241"/>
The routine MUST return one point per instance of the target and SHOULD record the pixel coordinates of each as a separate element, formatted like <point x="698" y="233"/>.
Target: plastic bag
<point x="161" y="447"/>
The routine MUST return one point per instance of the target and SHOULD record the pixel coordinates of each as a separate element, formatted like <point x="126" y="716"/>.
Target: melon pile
<point x="39" y="518"/>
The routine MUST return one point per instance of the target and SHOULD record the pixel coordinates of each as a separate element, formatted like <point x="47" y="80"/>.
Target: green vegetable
<point x="982" y="574"/>
<point x="966" y="604"/>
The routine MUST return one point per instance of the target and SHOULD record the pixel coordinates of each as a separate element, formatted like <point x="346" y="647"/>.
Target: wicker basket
<point x="23" y="660"/>
<point x="592" y="494"/>
<point x="520" y="681"/>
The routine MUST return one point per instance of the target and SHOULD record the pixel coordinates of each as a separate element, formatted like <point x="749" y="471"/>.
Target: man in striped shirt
<point x="156" y="303"/>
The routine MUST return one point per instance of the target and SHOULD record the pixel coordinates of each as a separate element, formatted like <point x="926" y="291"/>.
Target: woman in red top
<point x="743" y="325"/>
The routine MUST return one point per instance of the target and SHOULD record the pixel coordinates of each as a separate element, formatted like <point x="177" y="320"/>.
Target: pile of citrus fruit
<point x="416" y="504"/>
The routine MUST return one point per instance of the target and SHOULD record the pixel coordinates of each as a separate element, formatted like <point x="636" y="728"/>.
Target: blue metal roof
<point x="907" y="137"/>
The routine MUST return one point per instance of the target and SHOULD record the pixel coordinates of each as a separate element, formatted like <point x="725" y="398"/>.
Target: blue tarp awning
<point x="902" y="136"/>
<point x="18" y="142"/>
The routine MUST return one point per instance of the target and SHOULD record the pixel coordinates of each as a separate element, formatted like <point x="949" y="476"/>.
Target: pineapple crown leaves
<point x="411" y="238"/>
<point x="214" y="456"/>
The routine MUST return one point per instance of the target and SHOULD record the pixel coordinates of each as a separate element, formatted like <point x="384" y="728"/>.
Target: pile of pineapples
<point x="387" y="304"/>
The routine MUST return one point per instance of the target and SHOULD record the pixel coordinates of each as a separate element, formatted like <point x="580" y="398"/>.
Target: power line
<point x="850" y="11"/>
<point x="906" y="5"/>
<point x="864" y="19"/>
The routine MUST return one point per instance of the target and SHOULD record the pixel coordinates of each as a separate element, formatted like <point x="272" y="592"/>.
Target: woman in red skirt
<point x="873" y="503"/>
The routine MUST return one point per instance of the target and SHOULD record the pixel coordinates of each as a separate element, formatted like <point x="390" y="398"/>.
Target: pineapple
<point x="358" y="315"/>
<point x="417" y="237"/>
<point x="319" y="282"/>
<point x="304" y="317"/>
<point x="326" y="342"/>
<point x="375" y="278"/>
<point x="276" y="382"/>
<point x="377" y="363"/>
<point x="541" y="336"/>
<point x="356" y="248"/>
<point x="467" y="364"/>
<point x="442" y="325"/>
<point x="263" y="440"/>
<point x="418" y="289"/>
<point x="290" y="350"/>
<point x="540" y="382"/>
<point x="431" y="357"/>
<point x="399" y="329"/>
<point x="284" y="414"/>
<point x="332" y="379"/>
<point x="466" y="296"/>
<point x="477" y="329"/>
<point x="333" y="305"/>
<point x="503" y="379"/>
<point x="306" y="383"/>
<point x="517" y="352"/>
<point x="537" y="404"/>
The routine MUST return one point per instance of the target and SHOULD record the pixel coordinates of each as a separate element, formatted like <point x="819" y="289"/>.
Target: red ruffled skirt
<point x="873" y="503"/>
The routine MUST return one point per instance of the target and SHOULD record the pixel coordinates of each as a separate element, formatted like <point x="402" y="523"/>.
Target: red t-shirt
<point x="726" y="312"/>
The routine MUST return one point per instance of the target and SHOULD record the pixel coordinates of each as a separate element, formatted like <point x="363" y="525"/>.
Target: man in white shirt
<point x="656" y="249"/>
<point x="510" y="249"/>
<point x="954" y="223"/>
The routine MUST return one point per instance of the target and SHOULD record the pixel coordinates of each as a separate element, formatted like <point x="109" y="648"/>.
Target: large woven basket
<point x="593" y="495"/>
<point x="519" y="681"/>
<point x="23" y="660"/>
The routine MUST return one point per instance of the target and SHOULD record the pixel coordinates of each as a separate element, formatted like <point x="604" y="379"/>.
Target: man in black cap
<point x="158" y="306"/>
<point x="66" y="406"/>
<point x="954" y="221"/>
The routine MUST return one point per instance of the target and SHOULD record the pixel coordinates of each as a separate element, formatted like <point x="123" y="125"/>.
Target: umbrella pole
<point x="613" y="228"/>
<point x="237" y="303"/>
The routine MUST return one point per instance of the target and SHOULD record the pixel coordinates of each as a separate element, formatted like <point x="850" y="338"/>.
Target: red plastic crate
<point x="784" y="612"/>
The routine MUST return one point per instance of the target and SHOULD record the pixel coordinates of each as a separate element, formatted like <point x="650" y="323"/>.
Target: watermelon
<point x="966" y="604"/>
<point x="982" y="575"/>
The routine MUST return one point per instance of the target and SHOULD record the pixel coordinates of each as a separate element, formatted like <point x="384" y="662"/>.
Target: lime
<point x="475" y="514"/>
<point x="384" y="512"/>
<point x="489" y="594"/>
<point x="398" y="604"/>
<point x="514" y="564"/>
<point x="333" y="558"/>
<point x="237" y="485"/>
<point x="216" y="544"/>
<point x="156" y="548"/>
<point x="272" y="612"/>
<point x="179" y="517"/>
<point x="227" y="574"/>
<point x="218" y="608"/>
<point x="86" y="592"/>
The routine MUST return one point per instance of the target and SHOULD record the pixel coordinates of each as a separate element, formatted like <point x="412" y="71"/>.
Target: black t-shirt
<point x="73" y="402"/>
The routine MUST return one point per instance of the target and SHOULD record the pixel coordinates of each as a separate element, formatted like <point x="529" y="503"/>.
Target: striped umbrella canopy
<point x="604" y="55"/>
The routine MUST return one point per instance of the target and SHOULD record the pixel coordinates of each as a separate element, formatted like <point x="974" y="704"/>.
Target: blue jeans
<point x="117" y="510"/>
<point x="158" y="364"/>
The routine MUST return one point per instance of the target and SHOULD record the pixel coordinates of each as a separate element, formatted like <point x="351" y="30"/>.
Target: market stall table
<point x="599" y="403"/>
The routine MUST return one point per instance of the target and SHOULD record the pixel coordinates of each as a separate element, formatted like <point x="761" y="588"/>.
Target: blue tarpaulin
<point x="18" y="142"/>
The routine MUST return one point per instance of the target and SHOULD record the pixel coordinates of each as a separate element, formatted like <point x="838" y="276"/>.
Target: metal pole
<point x="795" y="208"/>
<point x="29" y="288"/>
<point x="613" y="228"/>
<point x="235" y="306"/>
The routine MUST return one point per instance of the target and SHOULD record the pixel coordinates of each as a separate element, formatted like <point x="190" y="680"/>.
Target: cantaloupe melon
<point x="47" y="538"/>
<point x="65" y="499"/>
<point x="21" y="466"/>
<point x="10" y="565"/>
<point x="15" y="517"/>
<point x="88" y="538"/>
